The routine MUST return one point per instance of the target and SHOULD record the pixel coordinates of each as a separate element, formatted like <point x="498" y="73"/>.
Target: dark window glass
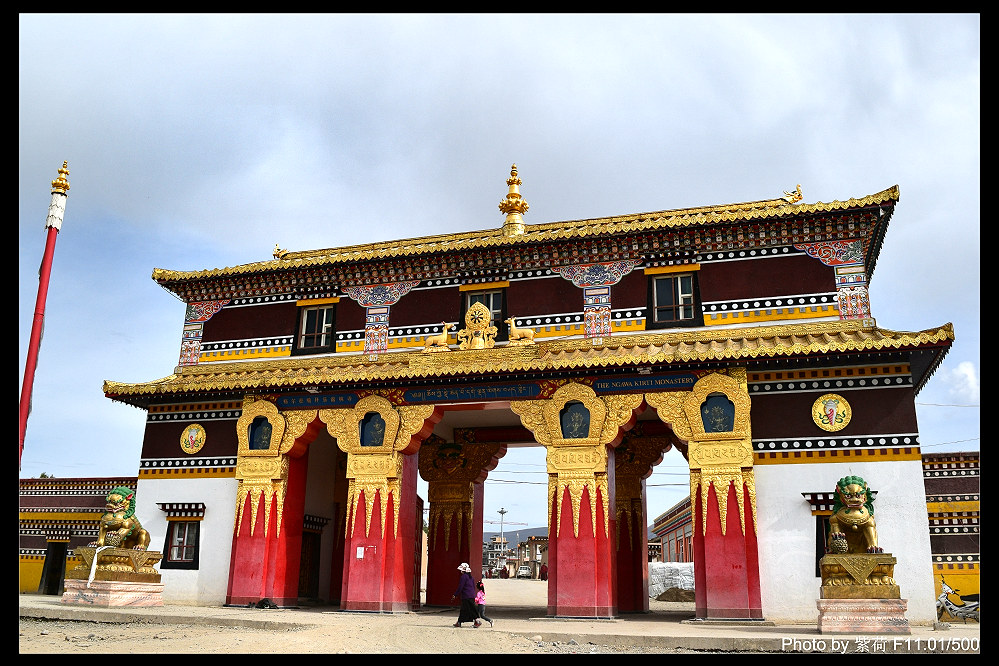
<point x="575" y="420"/>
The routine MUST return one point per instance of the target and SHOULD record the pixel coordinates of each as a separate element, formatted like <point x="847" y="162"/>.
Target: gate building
<point x="312" y="390"/>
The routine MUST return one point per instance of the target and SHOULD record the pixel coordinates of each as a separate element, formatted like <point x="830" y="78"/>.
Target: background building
<point x="56" y="516"/>
<point x="953" y="503"/>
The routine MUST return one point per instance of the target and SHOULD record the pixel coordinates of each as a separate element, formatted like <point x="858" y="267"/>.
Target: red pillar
<point x="379" y="566"/>
<point x="582" y="581"/>
<point x="632" y="561"/>
<point x="285" y="546"/>
<point x="726" y="566"/>
<point x="265" y="562"/>
<point x="248" y="563"/>
<point x="449" y="549"/>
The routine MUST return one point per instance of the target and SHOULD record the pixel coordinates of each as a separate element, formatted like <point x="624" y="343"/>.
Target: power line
<point x="940" y="404"/>
<point x="956" y="441"/>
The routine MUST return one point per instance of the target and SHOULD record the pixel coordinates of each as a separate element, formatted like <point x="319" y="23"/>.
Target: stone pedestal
<point x="863" y="616"/>
<point x="107" y="593"/>
<point x="859" y="576"/>
<point x="114" y="577"/>
<point x="859" y="595"/>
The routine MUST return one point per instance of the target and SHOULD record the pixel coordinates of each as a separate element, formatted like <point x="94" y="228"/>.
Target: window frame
<point x="696" y="318"/>
<point x="301" y="334"/>
<point x="169" y="544"/>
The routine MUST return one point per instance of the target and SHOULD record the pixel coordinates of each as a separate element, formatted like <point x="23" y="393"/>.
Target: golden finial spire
<point x="514" y="206"/>
<point x="60" y="184"/>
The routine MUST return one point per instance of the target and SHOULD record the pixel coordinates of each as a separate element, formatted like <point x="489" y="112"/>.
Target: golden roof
<point x="536" y="233"/>
<point x="675" y="347"/>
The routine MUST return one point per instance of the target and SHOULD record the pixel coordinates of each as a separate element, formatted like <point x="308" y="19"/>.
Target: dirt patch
<point x="676" y="594"/>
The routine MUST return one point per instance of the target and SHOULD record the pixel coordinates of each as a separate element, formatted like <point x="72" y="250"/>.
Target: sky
<point x="200" y="141"/>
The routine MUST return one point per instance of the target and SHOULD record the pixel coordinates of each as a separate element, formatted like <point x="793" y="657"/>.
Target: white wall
<point x="207" y="585"/>
<point x="788" y="583"/>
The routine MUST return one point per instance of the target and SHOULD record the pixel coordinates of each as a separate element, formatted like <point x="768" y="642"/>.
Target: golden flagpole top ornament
<point x="60" y="184"/>
<point x="514" y="206"/>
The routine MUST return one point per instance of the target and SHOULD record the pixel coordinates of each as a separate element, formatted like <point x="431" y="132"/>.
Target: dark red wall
<point x="162" y="440"/>
<point x="782" y="276"/>
<point x="349" y="315"/>
<point x="251" y="322"/>
<point x="543" y="296"/>
<point x="425" y="306"/>
<point x="874" y="411"/>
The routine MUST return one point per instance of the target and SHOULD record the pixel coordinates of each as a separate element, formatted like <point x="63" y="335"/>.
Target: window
<point x="315" y="330"/>
<point x="673" y="301"/>
<point x="493" y="300"/>
<point x="181" y="549"/>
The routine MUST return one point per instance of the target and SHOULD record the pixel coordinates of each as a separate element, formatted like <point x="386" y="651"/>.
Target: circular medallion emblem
<point x="831" y="412"/>
<point x="192" y="439"/>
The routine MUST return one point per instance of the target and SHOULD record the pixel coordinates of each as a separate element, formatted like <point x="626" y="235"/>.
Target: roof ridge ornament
<point x="513" y="205"/>
<point x="792" y="197"/>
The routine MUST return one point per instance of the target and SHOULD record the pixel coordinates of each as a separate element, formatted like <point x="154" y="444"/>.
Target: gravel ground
<point x="428" y="632"/>
<point x="365" y="636"/>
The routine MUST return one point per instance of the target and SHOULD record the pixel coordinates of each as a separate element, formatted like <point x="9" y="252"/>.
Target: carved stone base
<point x="105" y="593"/>
<point x="863" y="616"/>
<point x="116" y="564"/>
<point x="859" y="576"/>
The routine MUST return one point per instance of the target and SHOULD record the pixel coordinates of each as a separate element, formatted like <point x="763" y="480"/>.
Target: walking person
<point x="466" y="593"/>
<point x="480" y="603"/>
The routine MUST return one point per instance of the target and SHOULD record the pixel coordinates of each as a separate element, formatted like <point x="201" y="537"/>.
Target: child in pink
<point x="480" y="603"/>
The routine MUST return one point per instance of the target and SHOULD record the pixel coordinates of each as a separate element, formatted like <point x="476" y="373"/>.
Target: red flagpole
<point x="53" y="222"/>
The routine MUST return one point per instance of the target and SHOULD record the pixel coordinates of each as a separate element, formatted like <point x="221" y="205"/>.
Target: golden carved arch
<point x="375" y="470"/>
<point x="718" y="458"/>
<point x="579" y="463"/>
<point x="252" y="409"/>
<point x="260" y="472"/>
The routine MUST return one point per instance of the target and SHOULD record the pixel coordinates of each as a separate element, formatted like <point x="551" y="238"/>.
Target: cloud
<point x="962" y="382"/>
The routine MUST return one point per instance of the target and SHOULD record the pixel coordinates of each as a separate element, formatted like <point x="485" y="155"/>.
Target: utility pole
<point x="502" y="512"/>
<point x="53" y="222"/>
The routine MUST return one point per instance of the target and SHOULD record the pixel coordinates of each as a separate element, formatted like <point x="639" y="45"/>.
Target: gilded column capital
<point x="450" y="470"/>
<point x="576" y="426"/>
<point x="714" y="418"/>
<point x="261" y="468"/>
<point x="375" y="435"/>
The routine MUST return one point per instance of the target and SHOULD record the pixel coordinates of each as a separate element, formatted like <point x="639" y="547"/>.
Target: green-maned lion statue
<point x="119" y="526"/>
<point x="851" y="526"/>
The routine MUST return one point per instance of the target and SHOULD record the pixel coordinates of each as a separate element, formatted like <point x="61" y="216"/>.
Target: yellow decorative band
<point x="500" y="284"/>
<point x="771" y="314"/>
<point x="681" y="268"/>
<point x="829" y="456"/>
<point x="187" y="472"/>
<point x="317" y="301"/>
